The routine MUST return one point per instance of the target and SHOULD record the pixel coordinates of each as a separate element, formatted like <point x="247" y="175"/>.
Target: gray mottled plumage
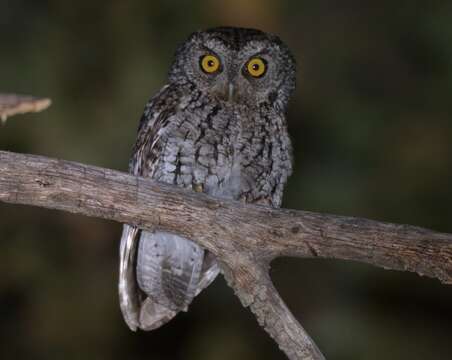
<point x="223" y="134"/>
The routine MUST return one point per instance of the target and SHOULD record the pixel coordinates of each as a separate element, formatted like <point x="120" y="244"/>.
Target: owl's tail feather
<point x="168" y="269"/>
<point x="153" y="315"/>
<point x="160" y="274"/>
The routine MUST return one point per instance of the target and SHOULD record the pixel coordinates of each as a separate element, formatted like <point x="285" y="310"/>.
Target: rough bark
<point x="245" y="238"/>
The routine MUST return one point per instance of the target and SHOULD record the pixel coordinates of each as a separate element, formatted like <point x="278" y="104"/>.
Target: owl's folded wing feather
<point x="129" y="295"/>
<point x="135" y="309"/>
<point x="155" y="285"/>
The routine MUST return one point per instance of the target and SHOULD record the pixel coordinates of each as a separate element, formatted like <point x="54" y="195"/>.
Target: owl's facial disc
<point x="228" y="87"/>
<point x="242" y="66"/>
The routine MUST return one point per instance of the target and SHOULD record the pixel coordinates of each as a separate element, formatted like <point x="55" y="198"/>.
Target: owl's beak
<point x="231" y="91"/>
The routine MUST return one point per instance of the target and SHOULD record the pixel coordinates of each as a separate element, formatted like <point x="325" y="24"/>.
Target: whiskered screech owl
<point x="217" y="127"/>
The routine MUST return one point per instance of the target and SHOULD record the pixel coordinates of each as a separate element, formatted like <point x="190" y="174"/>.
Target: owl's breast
<point x="222" y="151"/>
<point x="199" y="152"/>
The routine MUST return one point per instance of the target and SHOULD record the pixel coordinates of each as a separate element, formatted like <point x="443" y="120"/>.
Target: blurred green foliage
<point x="371" y="123"/>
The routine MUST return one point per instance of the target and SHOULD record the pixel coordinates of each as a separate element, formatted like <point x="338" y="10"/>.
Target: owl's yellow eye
<point x="210" y="63"/>
<point x="256" y="67"/>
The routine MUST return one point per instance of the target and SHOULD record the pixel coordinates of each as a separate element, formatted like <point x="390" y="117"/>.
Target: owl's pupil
<point x="255" y="67"/>
<point x="210" y="63"/>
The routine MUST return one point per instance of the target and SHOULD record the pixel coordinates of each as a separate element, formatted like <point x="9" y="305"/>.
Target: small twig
<point x="12" y="104"/>
<point x="245" y="238"/>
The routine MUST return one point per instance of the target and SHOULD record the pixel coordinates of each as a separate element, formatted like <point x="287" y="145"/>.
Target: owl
<point x="218" y="127"/>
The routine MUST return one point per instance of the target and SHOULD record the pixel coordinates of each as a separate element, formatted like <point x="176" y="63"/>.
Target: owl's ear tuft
<point x="176" y="72"/>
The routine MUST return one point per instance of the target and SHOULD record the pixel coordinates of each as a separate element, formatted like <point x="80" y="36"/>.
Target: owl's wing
<point x="142" y="162"/>
<point x="155" y="285"/>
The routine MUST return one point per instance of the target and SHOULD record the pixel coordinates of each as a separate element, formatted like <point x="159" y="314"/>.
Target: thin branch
<point x="12" y="104"/>
<point x="245" y="238"/>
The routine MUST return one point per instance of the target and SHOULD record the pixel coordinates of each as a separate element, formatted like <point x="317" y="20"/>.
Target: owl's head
<point x="245" y="66"/>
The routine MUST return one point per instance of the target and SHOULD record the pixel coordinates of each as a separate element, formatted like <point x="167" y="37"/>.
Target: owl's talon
<point x="198" y="188"/>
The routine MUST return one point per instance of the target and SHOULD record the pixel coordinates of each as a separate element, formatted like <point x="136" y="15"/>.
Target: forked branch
<point x="245" y="238"/>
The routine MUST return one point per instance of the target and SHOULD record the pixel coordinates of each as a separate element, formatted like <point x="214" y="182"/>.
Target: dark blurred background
<point x="371" y="123"/>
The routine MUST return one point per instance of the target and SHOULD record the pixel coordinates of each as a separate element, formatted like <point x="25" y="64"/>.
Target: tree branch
<point x="245" y="238"/>
<point x="253" y="286"/>
<point x="12" y="104"/>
